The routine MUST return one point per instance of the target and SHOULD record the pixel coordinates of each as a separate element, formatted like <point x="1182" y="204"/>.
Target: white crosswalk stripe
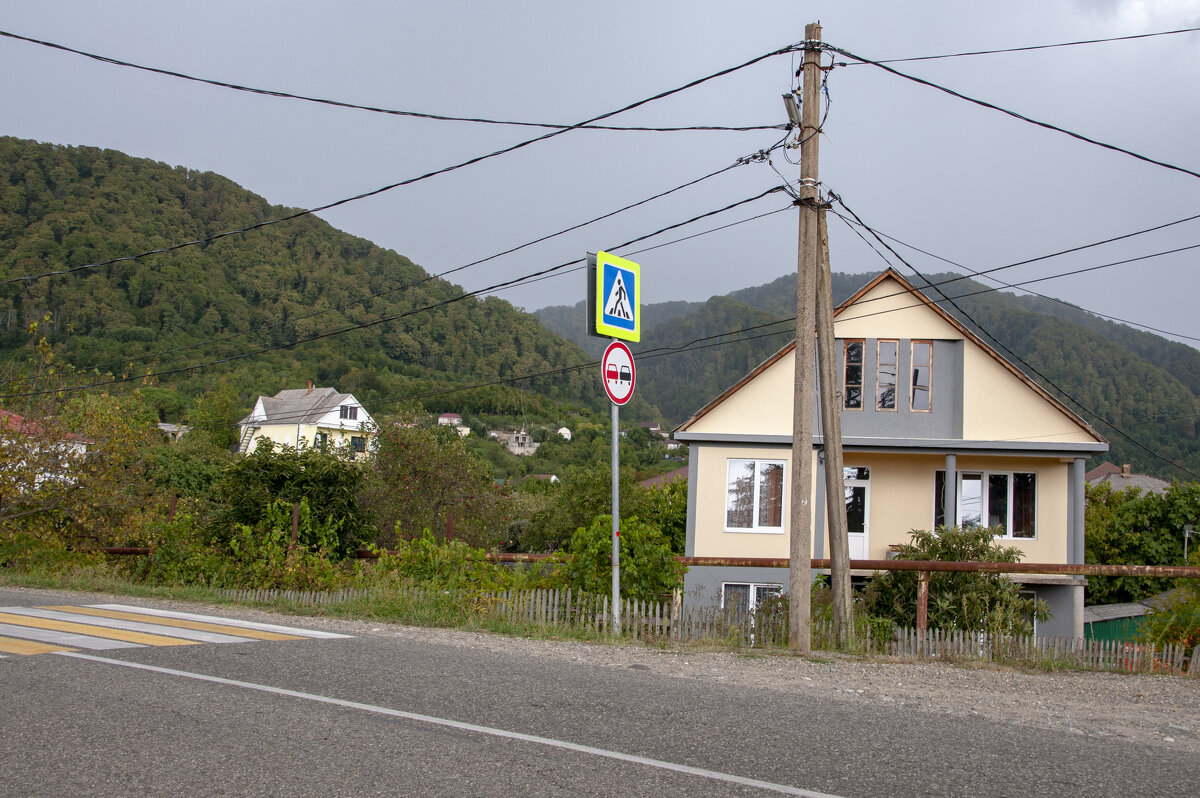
<point x="101" y="627"/>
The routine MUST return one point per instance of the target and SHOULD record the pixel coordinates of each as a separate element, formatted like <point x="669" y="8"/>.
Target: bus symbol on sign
<point x="619" y="372"/>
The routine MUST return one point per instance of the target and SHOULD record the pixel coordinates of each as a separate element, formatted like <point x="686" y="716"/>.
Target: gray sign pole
<point x="616" y="517"/>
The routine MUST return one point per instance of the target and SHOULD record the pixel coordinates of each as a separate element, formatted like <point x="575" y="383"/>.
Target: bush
<point x="250" y="486"/>
<point x="648" y="566"/>
<point x="984" y="602"/>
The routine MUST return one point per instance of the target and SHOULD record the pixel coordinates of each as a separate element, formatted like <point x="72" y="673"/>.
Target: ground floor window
<point x="746" y="596"/>
<point x="754" y="496"/>
<point x="1006" y="499"/>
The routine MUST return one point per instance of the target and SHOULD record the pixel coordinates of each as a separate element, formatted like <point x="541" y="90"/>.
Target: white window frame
<point x="756" y="527"/>
<point x="895" y="364"/>
<point x="913" y="366"/>
<point x="862" y="372"/>
<point x="984" y="482"/>
<point x="348" y="413"/>
<point x="756" y="593"/>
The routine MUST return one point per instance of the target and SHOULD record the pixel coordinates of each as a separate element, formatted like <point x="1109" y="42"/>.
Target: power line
<point x="1022" y="286"/>
<point x="374" y="109"/>
<point x="364" y="325"/>
<point x="428" y="278"/>
<point x="1034" y="47"/>
<point x="1027" y="261"/>
<point x="405" y="182"/>
<point x="1014" y="114"/>
<point x="1017" y="358"/>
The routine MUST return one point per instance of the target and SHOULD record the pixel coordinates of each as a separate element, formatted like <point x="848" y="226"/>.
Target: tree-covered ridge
<point x="1143" y="383"/>
<point x="65" y="207"/>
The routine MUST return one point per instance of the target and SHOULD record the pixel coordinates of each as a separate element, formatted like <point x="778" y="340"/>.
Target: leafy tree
<point x="249" y="486"/>
<point x="76" y="473"/>
<point x="985" y="602"/>
<point x="648" y="566"/>
<point x="1134" y="528"/>
<point x="425" y="478"/>
<point x="580" y="495"/>
<point x="214" y="418"/>
<point x="187" y="467"/>
<point x="665" y="506"/>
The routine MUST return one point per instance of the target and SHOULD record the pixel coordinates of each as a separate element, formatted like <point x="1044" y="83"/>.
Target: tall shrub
<point x="986" y="602"/>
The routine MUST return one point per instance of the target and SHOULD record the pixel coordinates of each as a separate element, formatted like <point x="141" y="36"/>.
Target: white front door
<point x="856" y="482"/>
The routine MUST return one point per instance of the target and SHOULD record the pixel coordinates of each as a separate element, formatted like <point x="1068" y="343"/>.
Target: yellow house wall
<point x="711" y="538"/>
<point x="901" y="499"/>
<point x="887" y="308"/>
<point x="998" y="406"/>
<point x="762" y="406"/>
<point x="285" y="435"/>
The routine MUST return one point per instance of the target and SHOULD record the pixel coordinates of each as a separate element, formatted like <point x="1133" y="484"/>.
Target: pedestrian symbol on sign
<point x="617" y="305"/>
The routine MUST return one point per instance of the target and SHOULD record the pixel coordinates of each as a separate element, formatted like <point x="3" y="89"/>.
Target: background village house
<point x="938" y="428"/>
<point x="320" y="418"/>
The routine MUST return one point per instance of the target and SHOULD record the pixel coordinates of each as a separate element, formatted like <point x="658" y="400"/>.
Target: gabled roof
<point x="297" y="406"/>
<point x="1102" y="470"/>
<point x="1143" y="482"/>
<point x="967" y="334"/>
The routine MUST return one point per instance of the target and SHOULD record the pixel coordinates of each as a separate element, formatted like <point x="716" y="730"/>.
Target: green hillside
<point x="269" y="289"/>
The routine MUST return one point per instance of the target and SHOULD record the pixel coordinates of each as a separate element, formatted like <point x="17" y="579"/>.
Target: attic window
<point x="852" y="375"/>
<point x="885" y="375"/>
<point x="922" y="372"/>
<point x="348" y="412"/>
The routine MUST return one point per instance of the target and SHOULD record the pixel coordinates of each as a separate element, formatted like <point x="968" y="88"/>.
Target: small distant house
<point x="37" y="455"/>
<point x="320" y="418"/>
<point x="173" y="432"/>
<point x="654" y="430"/>
<point x="454" y="420"/>
<point x="521" y="443"/>
<point x="1122" y="477"/>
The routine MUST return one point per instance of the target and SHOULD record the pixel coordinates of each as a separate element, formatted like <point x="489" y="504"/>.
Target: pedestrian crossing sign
<point x="614" y="297"/>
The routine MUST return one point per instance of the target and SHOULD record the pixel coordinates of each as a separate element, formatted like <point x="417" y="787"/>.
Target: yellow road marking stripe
<point x="201" y="626"/>
<point x="95" y="631"/>
<point x="11" y="645"/>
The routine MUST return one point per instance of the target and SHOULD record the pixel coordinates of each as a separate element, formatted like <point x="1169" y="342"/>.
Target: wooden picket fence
<point x="671" y="621"/>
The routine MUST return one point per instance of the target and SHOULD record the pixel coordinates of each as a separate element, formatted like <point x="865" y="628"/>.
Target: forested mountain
<point x="240" y="308"/>
<point x="231" y="299"/>
<point x="1138" y="389"/>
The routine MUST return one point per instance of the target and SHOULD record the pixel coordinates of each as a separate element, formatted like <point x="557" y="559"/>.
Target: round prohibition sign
<point x="618" y="373"/>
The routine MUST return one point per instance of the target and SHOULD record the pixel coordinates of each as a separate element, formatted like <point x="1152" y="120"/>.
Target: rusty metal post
<point x="922" y="605"/>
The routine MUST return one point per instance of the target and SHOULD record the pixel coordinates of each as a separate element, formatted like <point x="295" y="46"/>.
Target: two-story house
<point x="320" y="418"/>
<point x="937" y="428"/>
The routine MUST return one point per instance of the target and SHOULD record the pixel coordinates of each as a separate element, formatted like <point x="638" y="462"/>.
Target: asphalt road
<point x="381" y="714"/>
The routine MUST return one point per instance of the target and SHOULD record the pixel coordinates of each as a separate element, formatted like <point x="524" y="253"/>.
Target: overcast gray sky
<point x="963" y="182"/>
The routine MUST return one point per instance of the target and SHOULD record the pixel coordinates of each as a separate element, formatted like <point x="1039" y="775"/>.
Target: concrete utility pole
<point x="831" y="431"/>
<point x="807" y="261"/>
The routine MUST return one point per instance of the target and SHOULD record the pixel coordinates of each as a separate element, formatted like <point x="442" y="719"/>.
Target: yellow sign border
<point x="634" y="335"/>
